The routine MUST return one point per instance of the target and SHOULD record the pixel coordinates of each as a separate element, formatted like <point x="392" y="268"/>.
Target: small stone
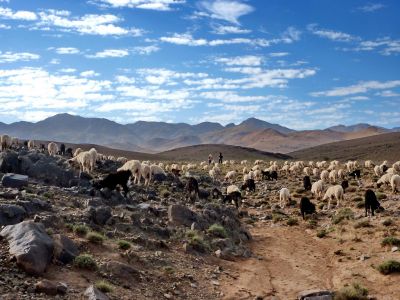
<point x="168" y="296"/>
<point x="364" y="257"/>
<point x="394" y="249"/>
<point x="215" y="282"/>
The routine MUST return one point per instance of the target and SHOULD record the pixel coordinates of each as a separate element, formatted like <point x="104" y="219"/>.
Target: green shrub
<point x="217" y="230"/>
<point x="81" y="230"/>
<point x="353" y="292"/>
<point x="95" y="237"/>
<point x="69" y="226"/>
<point x="104" y="286"/>
<point x="390" y="241"/>
<point x="322" y="233"/>
<point x="380" y="196"/>
<point x="277" y="217"/>
<point x="85" y="261"/>
<point x="343" y="214"/>
<point x="123" y="245"/>
<point x="164" y="193"/>
<point x="169" y="270"/>
<point x="388" y="267"/>
<point x="361" y="224"/>
<point x="292" y="222"/>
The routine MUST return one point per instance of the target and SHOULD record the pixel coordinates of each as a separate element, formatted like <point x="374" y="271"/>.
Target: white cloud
<point x="229" y="96"/>
<point x="359" y="88"/>
<point x="386" y="46"/>
<point x="4" y="26"/>
<point x="221" y="29"/>
<point x="388" y="93"/>
<point x="332" y="35"/>
<point x="371" y="7"/>
<point x="9" y="57"/>
<point x="68" y="70"/>
<point x="291" y="35"/>
<point x="89" y="73"/>
<point x="161" y="5"/>
<point x="146" y="50"/>
<point x="55" y="61"/>
<point x="67" y="50"/>
<point x="229" y="11"/>
<point x="247" y="60"/>
<point x="110" y="53"/>
<point x="278" y="54"/>
<point x="24" y="15"/>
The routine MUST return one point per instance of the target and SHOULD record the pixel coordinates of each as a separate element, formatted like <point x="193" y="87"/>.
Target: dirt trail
<point x="287" y="260"/>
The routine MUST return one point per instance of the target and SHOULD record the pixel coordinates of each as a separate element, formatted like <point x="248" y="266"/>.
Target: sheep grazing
<point x="83" y="159"/>
<point x="249" y="184"/>
<point x="333" y="176"/>
<point x="111" y="181"/>
<point x="368" y="164"/>
<point x="307" y="183"/>
<point x="345" y="185"/>
<point x="317" y="188"/>
<point x="77" y="151"/>
<point x="284" y="197"/>
<point x="385" y="179"/>
<point x="15" y="142"/>
<point x="315" y="172"/>
<point x="356" y="174"/>
<point x="5" y="142"/>
<point x="371" y="202"/>
<point x="257" y="174"/>
<point x="230" y="176"/>
<point x="145" y="172"/>
<point x="378" y="171"/>
<point x="233" y="195"/>
<point x="93" y="158"/>
<point x="156" y="170"/>
<point x="395" y="183"/>
<point x="307" y="171"/>
<point x="135" y="167"/>
<point x="341" y="174"/>
<point x="176" y="172"/>
<point x="192" y="186"/>
<point x="325" y="176"/>
<point x="31" y="144"/>
<point x="336" y="192"/>
<point x="269" y="175"/>
<point x="122" y="159"/>
<point x="306" y="207"/>
<point x="52" y="148"/>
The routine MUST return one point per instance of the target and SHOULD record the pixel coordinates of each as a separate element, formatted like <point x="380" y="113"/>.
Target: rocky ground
<point x="62" y="239"/>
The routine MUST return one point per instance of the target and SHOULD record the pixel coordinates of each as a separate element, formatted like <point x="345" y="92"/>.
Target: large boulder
<point x="33" y="206"/>
<point x="65" y="249"/>
<point x="11" y="214"/>
<point x="14" y="180"/>
<point x="315" y="295"/>
<point x="181" y="215"/>
<point x="93" y="293"/>
<point x="99" y="215"/>
<point x="31" y="246"/>
<point x="123" y="273"/>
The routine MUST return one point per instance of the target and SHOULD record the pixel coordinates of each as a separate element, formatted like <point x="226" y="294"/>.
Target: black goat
<point x="62" y="149"/>
<point x="249" y="184"/>
<point x="355" y="174"/>
<point x="273" y="175"/>
<point x="113" y="179"/>
<point x="68" y="152"/>
<point x="306" y="206"/>
<point x="345" y="185"/>
<point x="192" y="186"/>
<point x="371" y="202"/>
<point x="384" y="168"/>
<point x="307" y="183"/>
<point x="234" y="196"/>
<point x="216" y="193"/>
<point x="176" y="172"/>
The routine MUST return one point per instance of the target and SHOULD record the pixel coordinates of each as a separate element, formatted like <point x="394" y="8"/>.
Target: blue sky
<point x="304" y="64"/>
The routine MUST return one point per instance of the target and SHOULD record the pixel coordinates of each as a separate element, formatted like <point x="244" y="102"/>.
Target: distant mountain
<point x="152" y="137"/>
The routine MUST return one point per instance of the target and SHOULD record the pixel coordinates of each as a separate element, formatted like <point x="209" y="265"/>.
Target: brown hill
<point x="377" y="148"/>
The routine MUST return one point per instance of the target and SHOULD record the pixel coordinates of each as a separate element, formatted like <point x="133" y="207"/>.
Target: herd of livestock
<point x="331" y="178"/>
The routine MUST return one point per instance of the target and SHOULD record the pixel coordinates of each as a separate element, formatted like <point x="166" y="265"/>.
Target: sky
<point x="306" y="64"/>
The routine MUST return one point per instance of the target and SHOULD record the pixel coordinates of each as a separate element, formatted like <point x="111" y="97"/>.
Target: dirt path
<point x="284" y="265"/>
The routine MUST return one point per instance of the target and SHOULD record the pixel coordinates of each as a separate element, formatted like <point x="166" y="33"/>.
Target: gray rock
<point x="181" y="215"/>
<point x="30" y="245"/>
<point x="14" y="180"/>
<point x="99" y="215"/>
<point x="124" y="273"/>
<point x="315" y="295"/>
<point x="11" y="214"/>
<point x="34" y="206"/>
<point x="64" y="249"/>
<point x="9" y="162"/>
<point x="93" y="293"/>
<point x="49" y="287"/>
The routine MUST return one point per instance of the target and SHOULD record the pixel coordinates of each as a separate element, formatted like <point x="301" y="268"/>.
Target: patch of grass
<point x="277" y="218"/>
<point x="169" y="270"/>
<point x="104" y="286"/>
<point x="362" y="224"/>
<point x="360" y="205"/>
<point x="390" y="241"/>
<point x="389" y="266"/>
<point x="50" y="231"/>
<point x="387" y="222"/>
<point x="353" y="292"/>
<point x="47" y="195"/>
<point x="81" y="230"/>
<point x="351" y="189"/>
<point x="164" y="193"/>
<point x="312" y="223"/>
<point x="292" y="222"/>
<point x="343" y="214"/>
<point x="322" y="233"/>
<point x="358" y="199"/>
<point x="381" y="196"/>
<point x="95" y="237"/>
<point x="197" y="241"/>
<point x="217" y="230"/>
<point x="69" y="226"/>
<point x="123" y="245"/>
<point x="85" y="261"/>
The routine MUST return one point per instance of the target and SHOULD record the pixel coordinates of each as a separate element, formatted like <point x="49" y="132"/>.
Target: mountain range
<point x="153" y="137"/>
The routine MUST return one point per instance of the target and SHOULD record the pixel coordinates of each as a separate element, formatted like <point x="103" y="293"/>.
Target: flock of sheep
<point x="326" y="188"/>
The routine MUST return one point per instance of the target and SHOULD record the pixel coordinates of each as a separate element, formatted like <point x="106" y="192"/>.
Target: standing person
<point x="210" y="158"/>
<point x="220" y="158"/>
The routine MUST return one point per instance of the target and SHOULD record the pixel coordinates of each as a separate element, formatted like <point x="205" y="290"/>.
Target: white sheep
<point x="5" y="141"/>
<point x="395" y="183"/>
<point x="252" y="175"/>
<point x="315" y="172"/>
<point x="231" y="189"/>
<point x="15" y="141"/>
<point x="213" y="174"/>
<point x="52" y="148"/>
<point x="341" y="173"/>
<point x="256" y="167"/>
<point x="333" y="176"/>
<point x="122" y="159"/>
<point x="336" y="192"/>
<point x="245" y="170"/>
<point x="76" y="152"/>
<point x="284" y="197"/>
<point x="145" y="172"/>
<point x="31" y="144"/>
<point x="93" y="155"/>
<point x="385" y="179"/>
<point x="317" y="188"/>
<point x="324" y="176"/>
<point x="378" y="170"/>
<point x="83" y="159"/>
<point x="307" y="171"/>
<point x="156" y="170"/>
<point x="368" y="164"/>
<point x="230" y="176"/>
<point x="135" y="167"/>
<point x="243" y="162"/>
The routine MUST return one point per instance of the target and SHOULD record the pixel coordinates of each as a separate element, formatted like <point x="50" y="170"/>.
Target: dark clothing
<point x="220" y="158"/>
